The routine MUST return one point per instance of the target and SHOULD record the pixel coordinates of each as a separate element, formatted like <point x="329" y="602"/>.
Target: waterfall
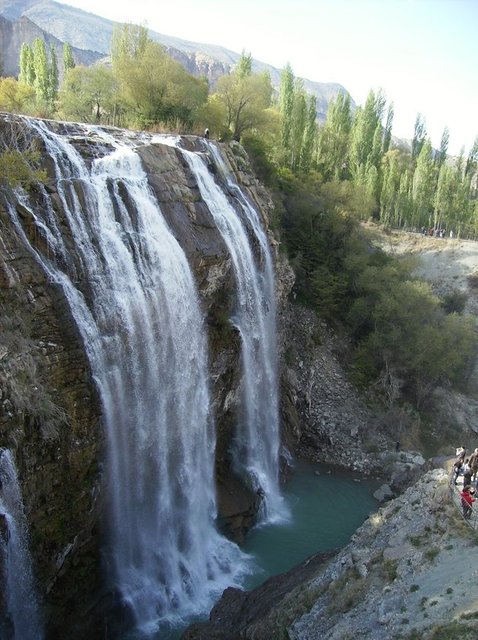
<point x="132" y="294"/>
<point x="258" y="439"/>
<point x="19" y="594"/>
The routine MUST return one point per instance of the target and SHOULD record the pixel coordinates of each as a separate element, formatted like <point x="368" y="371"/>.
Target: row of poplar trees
<point x="413" y="188"/>
<point x="39" y="70"/>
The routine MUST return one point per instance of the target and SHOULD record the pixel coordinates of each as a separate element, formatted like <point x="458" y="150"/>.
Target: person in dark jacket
<point x="458" y="464"/>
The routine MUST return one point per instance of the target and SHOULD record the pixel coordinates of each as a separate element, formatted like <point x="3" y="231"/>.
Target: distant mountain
<point x="90" y="35"/>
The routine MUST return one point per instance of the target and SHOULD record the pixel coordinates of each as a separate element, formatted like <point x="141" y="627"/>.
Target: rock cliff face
<point x="50" y="414"/>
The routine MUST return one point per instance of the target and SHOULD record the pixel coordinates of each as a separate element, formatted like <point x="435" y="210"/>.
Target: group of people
<point x="468" y="468"/>
<point x="435" y="233"/>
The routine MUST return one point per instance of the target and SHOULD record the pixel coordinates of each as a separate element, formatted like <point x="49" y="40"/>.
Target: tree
<point x="15" y="96"/>
<point x="366" y="137"/>
<point x="387" y="134"/>
<point x="89" y="95"/>
<point x="153" y="88"/>
<point x="286" y="104"/>
<point x="128" y="42"/>
<point x="419" y="136"/>
<point x="309" y="136"/>
<point x="245" y="96"/>
<point x="442" y="153"/>
<point x="334" y="138"/>
<point x="68" y="60"/>
<point x="444" y="196"/>
<point x="423" y="186"/>
<point x="52" y="76"/>
<point x="472" y="160"/>
<point x="42" y="74"/>
<point x="27" y="65"/>
<point x="244" y="66"/>
<point x="298" y="122"/>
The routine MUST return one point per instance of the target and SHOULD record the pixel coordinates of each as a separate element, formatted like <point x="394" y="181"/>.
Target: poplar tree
<point x="334" y="138"/>
<point x="472" y="160"/>
<point x="244" y="66"/>
<point x="419" y="136"/>
<point x="366" y="137"/>
<point x="298" y="123"/>
<point x="444" y="195"/>
<point x="387" y="134"/>
<point x="286" y="104"/>
<point x="68" y="60"/>
<point x="423" y="186"/>
<point x="42" y="75"/>
<point x="389" y="193"/>
<point x="27" y="66"/>
<point x="442" y="153"/>
<point x="310" y="135"/>
<point x="52" y="76"/>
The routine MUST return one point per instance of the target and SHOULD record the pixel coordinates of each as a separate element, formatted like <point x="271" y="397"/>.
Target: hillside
<point x="88" y="32"/>
<point x="449" y="265"/>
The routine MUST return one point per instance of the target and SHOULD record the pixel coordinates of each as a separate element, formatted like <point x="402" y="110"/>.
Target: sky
<point x="423" y="54"/>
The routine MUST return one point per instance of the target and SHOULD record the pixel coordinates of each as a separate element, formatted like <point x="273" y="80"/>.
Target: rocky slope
<point x="408" y="572"/>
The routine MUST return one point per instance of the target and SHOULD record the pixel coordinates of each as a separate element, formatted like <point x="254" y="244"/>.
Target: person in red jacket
<point x="467" y="501"/>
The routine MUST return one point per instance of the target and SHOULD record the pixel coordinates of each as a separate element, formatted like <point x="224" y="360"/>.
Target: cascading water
<point x="19" y="594"/>
<point x="258" y="438"/>
<point x="138" y="313"/>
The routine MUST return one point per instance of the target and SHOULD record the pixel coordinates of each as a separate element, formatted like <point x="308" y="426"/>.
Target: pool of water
<point x="326" y="507"/>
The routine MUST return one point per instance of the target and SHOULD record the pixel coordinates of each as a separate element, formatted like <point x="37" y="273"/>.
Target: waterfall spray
<point x="258" y="438"/>
<point x="19" y="593"/>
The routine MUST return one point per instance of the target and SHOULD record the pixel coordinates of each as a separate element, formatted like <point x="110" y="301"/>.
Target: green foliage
<point x="152" y="87"/>
<point x="68" y="60"/>
<point x="245" y="98"/>
<point x="454" y="302"/>
<point x="454" y="630"/>
<point x="89" y="95"/>
<point x="19" y="169"/>
<point x="52" y="77"/>
<point x="405" y="339"/>
<point x="334" y="139"/>
<point x="27" y="66"/>
<point x="15" y="96"/>
<point x="42" y="74"/>
<point x="419" y="136"/>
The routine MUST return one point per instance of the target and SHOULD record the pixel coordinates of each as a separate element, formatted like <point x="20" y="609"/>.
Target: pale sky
<point x="422" y="53"/>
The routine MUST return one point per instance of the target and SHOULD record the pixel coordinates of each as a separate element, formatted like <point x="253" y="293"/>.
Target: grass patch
<point x="431" y="554"/>
<point x="346" y="592"/>
<point x="389" y="569"/>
